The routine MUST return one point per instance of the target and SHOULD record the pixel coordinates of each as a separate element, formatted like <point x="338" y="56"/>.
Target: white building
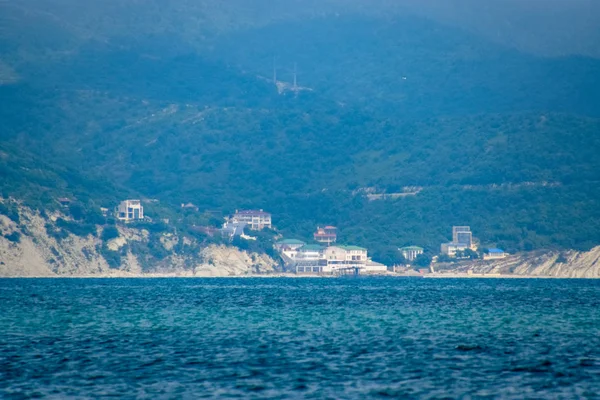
<point x="130" y="210"/>
<point x="334" y="260"/>
<point x="345" y="258"/>
<point x="450" y="249"/>
<point x="410" y="253"/>
<point x="289" y="248"/>
<point x="309" y="260"/>
<point x="255" y="219"/>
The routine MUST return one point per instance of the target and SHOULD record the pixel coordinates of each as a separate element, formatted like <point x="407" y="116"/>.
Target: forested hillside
<point x="459" y="129"/>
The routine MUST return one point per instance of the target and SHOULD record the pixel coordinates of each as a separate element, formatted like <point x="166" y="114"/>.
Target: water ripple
<point x="286" y="338"/>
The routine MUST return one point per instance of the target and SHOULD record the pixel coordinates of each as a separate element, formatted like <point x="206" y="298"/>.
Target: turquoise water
<point x="299" y="338"/>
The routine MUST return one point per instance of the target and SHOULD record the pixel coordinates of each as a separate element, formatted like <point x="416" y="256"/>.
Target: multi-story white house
<point x="450" y="249"/>
<point x="309" y="259"/>
<point x="316" y="259"/>
<point x="255" y="219"/>
<point x="326" y="235"/>
<point x="130" y="210"/>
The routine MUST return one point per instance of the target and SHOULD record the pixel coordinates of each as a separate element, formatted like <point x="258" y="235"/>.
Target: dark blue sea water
<point x="299" y="338"/>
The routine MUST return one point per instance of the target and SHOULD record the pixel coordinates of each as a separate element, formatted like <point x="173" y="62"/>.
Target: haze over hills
<point x="175" y="101"/>
<point x="550" y="27"/>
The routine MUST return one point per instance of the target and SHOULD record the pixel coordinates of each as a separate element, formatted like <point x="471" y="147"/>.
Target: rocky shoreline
<point x="37" y="253"/>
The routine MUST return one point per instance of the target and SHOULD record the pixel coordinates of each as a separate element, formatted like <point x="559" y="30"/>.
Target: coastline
<point x="294" y="276"/>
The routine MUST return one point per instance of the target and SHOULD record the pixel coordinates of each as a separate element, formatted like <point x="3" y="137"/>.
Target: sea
<point x="283" y="338"/>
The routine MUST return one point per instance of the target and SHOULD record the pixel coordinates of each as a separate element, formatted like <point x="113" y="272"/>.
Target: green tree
<point x="423" y="261"/>
<point x="109" y="233"/>
<point x="471" y="254"/>
<point x="444" y="258"/>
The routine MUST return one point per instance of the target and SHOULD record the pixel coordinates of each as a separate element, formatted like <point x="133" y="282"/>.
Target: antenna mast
<point x="295" y="76"/>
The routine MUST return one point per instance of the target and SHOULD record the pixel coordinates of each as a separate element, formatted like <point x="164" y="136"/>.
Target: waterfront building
<point x="340" y="258"/>
<point x="410" y="253"/>
<point x="326" y="235"/>
<point x="289" y="249"/>
<point x="332" y="260"/>
<point x="308" y="260"/>
<point x="130" y="210"/>
<point x="255" y="219"/>
<point x="495" y="254"/>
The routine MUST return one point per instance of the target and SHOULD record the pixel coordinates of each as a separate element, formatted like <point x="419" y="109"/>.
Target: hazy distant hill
<point x="174" y="100"/>
<point x="551" y="27"/>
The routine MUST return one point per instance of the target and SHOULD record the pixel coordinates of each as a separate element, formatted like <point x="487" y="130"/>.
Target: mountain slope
<point x="476" y="134"/>
<point x="410" y="66"/>
<point x="550" y="27"/>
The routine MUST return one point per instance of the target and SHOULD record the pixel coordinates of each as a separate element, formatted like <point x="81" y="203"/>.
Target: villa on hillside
<point x="289" y="244"/>
<point x="326" y="235"/>
<point x="255" y="219"/>
<point x="130" y="210"/>
<point x="288" y="249"/>
<point x="232" y="229"/>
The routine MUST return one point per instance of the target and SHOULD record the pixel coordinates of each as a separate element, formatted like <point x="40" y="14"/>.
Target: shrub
<point x="56" y="233"/>
<point x="109" y="233"/>
<point x="423" y="261"/>
<point x="113" y="258"/>
<point x="77" y="229"/>
<point x="156" y="249"/>
<point x="11" y="212"/>
<point x="562" y="259"/>
<point x="14" y="237"/>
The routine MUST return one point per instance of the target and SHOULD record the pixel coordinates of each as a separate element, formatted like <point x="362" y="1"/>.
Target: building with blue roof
<point x="495" y="254"/>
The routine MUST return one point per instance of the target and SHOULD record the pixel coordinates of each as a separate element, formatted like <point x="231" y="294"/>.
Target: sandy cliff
<point x="567" y="264"/>
<point x="37" y="253"/>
